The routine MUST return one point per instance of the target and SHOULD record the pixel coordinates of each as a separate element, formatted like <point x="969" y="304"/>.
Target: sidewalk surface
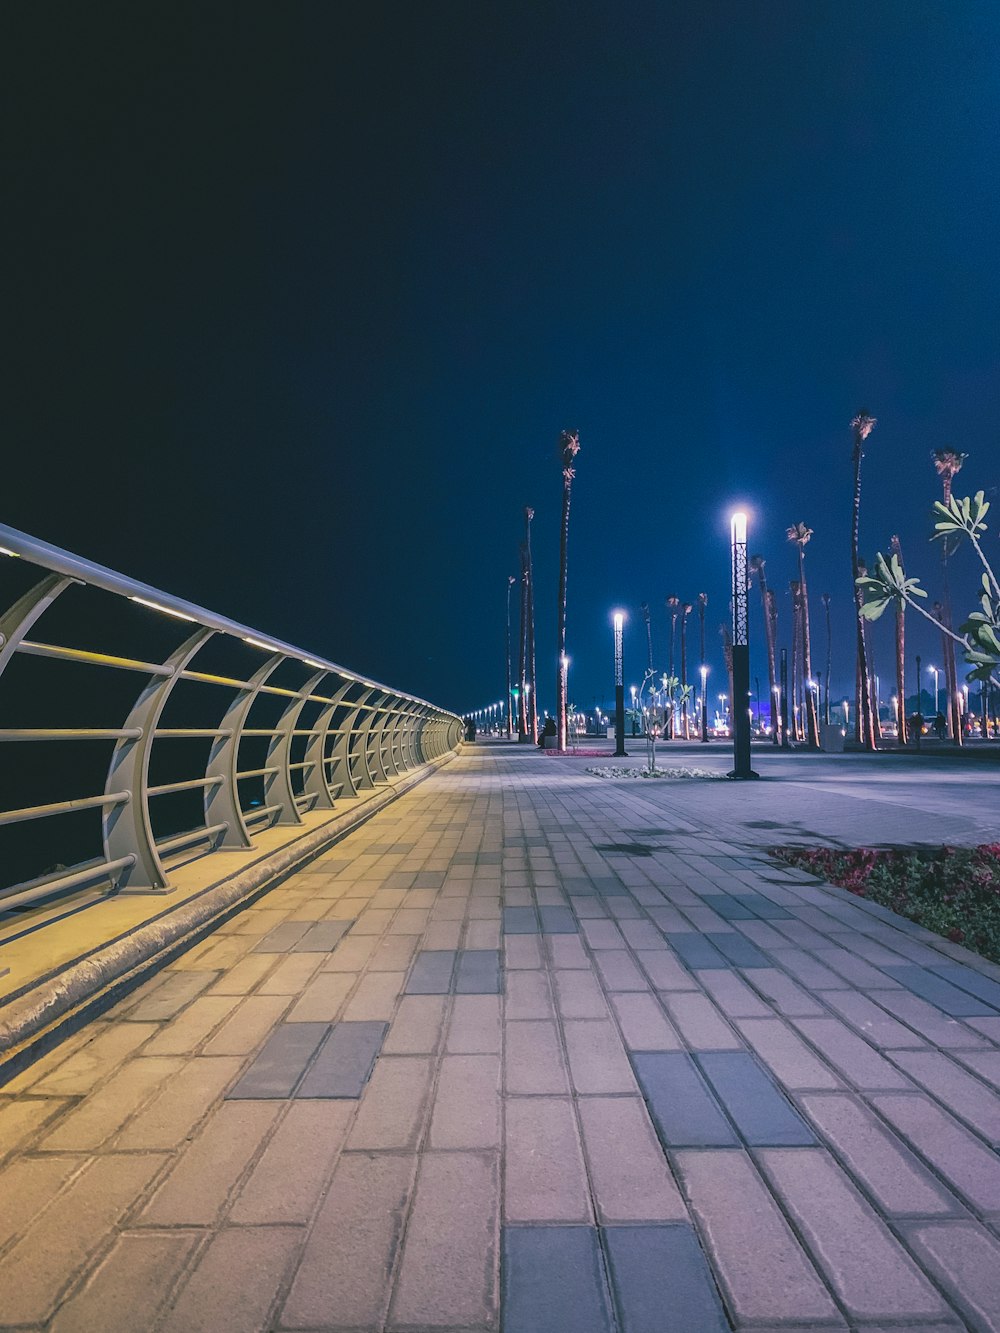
<point x="534" y="1051"/>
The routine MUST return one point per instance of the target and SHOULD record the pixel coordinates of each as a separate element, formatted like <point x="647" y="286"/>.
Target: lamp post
<point x="620" y="751"/>
<point x="635" y="730"/>
<point x="510" y="698"/>
<point x="920" y="717"/>
<point x="564" y="675"/>
<point x="785" y="742"/>
<point x="741" y="649"/>
<point x="704" y="704"/>
<point x="933" y="671"/>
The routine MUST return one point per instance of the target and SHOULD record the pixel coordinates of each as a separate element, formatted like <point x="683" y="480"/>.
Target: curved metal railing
<point x="335" y="735"/>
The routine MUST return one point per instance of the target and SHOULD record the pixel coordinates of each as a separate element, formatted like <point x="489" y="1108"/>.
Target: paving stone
<point x="577" y="995"/>
<point x="447" y="1271"/>
<point x="244" y="1031"/>
<point x="874" y="1024"/>
<point x="529" y="996"/>
<point x="29" y="1184"/>
<point x="375" y="997"/>
<point x="597" y="1059"/>
<point x="478" y="972"/>
<point x="557" y="921"/>
<point x="566" y="951"/>
<point x="104" y="1112"/>
<point x="281" y="1061"/>
<point x="762" y="907"/>
<point x="733" y="996"/>
<point x="290" y="976"/>
<point x="642" y="935"/>
<point x="129" y="1286"/>
<point x="730" y="909"/>
<point x="855" y="970"/>
<point x="544" y="1176"/>
<point x="242" y="978"/>
<point x="483" y="935"/>
<point x="664" y="971"/>
<point x="323" y="998"/>
<point x="937" y="1028"/>
<point x="807" y="970"/>
<point x="235" y="1281"/>
<point x="292" y="1172"/>
<point x="965" y="1162"/>
<point x="942" y="994"/>
<point x="533" y="1061"/>
<point x="200" y="1181"/>
<point x="786" y="1054"/>
<point x="785" y="995"/>
<point x="409" y="921"/>
<point x="169" y="997"/>
<point x="553" y="1280"/>
<point x="345" y="1061"/>
<point x="394" y="954"/>
<point x="352" y="953"/>
<point x="697" y="950"/>
<point x="372" y="921"/>
<point x="602" y="934"/>
<point x="77" y="1074"/>
<point x="851" y="1054"/>
<point x="323" y="937"/>
<point x="282" y="938"/>
<point x="700" y="1023"/>
<point x="475" y="1025"/>
<point x="684" y="1111"/>
<point x="54" y="1248"/>
<point x="738" y="950"/>
<point x="439" y="935"/>
<point x="662" y="1281"/>
<point x="618" y="970"/>
<point x="869" y="1270"/>
<point x="959" y="1091"/>
<point x="899" y="1183"/>
<point x="755" y="1105"/>
<point x="466" y="1112"/>
<point x="966" y="1258"/>
<point x="732" y="1203"/>
<point x="392" y="1110"/>
<point x="967" y="979"/>
<point x="984" y="1063"/>
<point x="522" y="951"/>
<point x="431" y="972"/>
<point x="631" y="1181"/>
<point x="644" y="1025"/>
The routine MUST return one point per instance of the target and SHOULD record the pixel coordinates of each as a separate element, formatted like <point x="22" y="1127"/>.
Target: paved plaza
<point x="537" y="1052"/>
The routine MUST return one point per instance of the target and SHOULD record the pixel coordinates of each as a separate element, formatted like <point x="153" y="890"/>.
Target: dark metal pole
<point x="510" y="699"/>
<point x="704" y="703"/>
<point x="741" y="651"/>
<point x="783" y="690"/>
<point x="918" y="729"/>
<point x="620" y="750"/>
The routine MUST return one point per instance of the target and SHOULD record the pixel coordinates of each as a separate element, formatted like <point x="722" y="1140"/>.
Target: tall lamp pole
<point x="704" y="703"/>
<point x="741" y="650"/>
<point x="620" y="751"/>
<point x="511" y="580"/>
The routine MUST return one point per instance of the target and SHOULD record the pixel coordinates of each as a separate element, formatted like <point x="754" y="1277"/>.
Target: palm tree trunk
<point x="771" y="626"/>
<point x="793" y="588"/>
<point x="522" y="657"/>
<point x="532" y="718"/>
<point x="569" y="443"/>
<point x="510" y="701"/>
<point x="901" y="736"/>
<point x="686" y="721"/>
<point x="812" y="720"/>
<point x="864" y="726"/>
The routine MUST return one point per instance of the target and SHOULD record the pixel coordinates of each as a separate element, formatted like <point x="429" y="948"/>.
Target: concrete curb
<point x="40" y="1017"/>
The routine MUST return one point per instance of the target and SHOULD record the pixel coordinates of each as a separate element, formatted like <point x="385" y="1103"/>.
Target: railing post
<point x="278" y="786"/>
<point x="127" y="828"/>
<point x="315" y="782"/>
<point x="222" y="800"/>
<point x="15" y="623"/>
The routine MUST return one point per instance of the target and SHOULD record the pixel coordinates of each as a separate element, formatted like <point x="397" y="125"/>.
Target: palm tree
<point x="829" y="659"/>
<point x="686" y="609"/>
<point x="702" y="604"/>
<point x="532" y="708"/>
<point x="522" y="674"/>
<point x="897" y="551"/>
<point x="793" y="588"/>
<point x="673" y="608"/>
<point x="861" y="426"/>
<point x="948" y="463"/>
<point x="569" y="447"/>
<point x="511" y="580"/>
<point x="800" y="534"/>
<point x="770" y="635"/>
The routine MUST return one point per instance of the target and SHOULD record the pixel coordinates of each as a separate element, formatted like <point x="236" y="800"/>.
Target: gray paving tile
<point x="521" y="921"/>
<point x="738" y="949"/>
<point x="478" y="972"/>
<point x="941" y="993"/>
<point x="345" y="1061"/>
<point x="322" y="937"/>
<point x="762" y="907"/>
<point x="662" y="1281"/>
<point x="553" y="1281"/>
<point x="281" y="1062"/>
<point x="557" y="921"/>
<point x="431" y="972"/>
<point x="696" y="950"/>
<point x="683" y="1109"/>
<point x="756" y="1105"/>
<point x="283" y="937"/>
<point x="973" y="982"/>
<point x="731" y="909"/>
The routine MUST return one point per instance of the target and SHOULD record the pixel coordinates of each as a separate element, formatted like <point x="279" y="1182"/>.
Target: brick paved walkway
<point x="526" y="1051"/>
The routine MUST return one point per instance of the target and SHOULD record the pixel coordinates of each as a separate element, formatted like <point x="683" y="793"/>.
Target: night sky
<point x="299" y="297"/>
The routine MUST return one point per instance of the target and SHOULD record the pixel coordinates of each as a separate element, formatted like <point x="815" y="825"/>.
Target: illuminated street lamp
<point x="704" y="704"/>
<point x="933" y="671"/>
<point x="741" y="648"/>
<point x="620" y="751"/>
<point x="635" y="730"/>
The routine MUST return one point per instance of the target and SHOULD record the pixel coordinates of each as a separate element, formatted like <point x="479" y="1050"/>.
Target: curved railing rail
<point x="336" y="733"/>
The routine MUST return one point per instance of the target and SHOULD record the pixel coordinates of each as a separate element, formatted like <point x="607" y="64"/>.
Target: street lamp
<point x="564" y="673"/>
<point x="620" y="751"/>
<point x="704" y="704"/>
<point x="635" y="731"/>
<point x="741" y="647"/>
<point x="933" y="671"/>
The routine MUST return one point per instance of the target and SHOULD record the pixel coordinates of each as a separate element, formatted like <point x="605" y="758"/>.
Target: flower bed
<point x="954" y="891"/>
<point x="656" y="773"/>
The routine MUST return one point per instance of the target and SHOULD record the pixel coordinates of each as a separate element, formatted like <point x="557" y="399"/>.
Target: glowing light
<point x="738" y="528"/>
<point x="167" y="610"/>
<point x="14" y="556"/>
<point x="311" y="661"/>
<point x="256" y="643"/>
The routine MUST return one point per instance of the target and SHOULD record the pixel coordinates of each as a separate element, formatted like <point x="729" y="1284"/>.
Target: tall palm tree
<point x="702" y="604"/>
<point x="948" y="463"/>
<point x="770" y="627"/>
<point x="896" y="550"/>
<point x="686" y="610"/>
<point x="800" y="534"/>
<point x="532" y="707"/>
<point x="794" y="591"/>
<point x="569" y="447"/>
<point x="522" y="674"/>
<point x="511" y="580"/>
<point x="829" y="659"/>
<point x="861" y="427"/>
<point x="673" y="608"/>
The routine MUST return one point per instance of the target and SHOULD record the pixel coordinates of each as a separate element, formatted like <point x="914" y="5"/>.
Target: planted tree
<point x="800" y="535"/>
<point x="896" y="551"/>
<point x="829" y="659"/>
<point x="948" y="464"/>
<point x="770" y="635"/>
<point x="861" y="427"/>
<point x="569" y="447"/>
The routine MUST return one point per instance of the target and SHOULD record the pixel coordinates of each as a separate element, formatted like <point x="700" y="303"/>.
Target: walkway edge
<point x="41" y="1017"/>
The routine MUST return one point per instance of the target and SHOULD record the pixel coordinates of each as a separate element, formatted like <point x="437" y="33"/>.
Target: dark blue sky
<point x="299" y="298"/>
